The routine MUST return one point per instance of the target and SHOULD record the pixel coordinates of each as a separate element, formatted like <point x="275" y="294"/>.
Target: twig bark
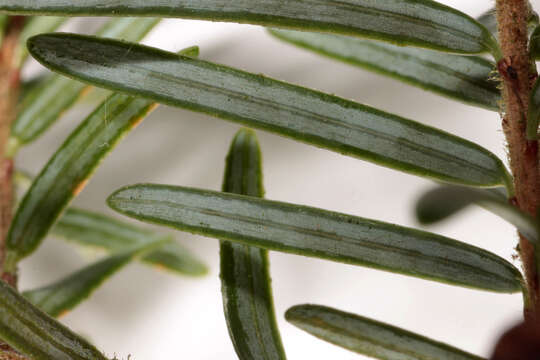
<point x="518" y="78"/>
<point x="7" y="353"/>
<point x="9" y="86"/>
<point x="9" y="90"/>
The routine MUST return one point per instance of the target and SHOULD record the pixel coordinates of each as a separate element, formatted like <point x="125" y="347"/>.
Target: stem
<point x="9" y="86"/>
<point x="9" y="91"/>
<point x="518" y="77"/>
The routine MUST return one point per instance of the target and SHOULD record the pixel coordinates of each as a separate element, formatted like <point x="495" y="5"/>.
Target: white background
<point x="154" y="315"/>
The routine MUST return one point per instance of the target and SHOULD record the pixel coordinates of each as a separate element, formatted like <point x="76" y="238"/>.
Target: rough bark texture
<point x="9" y="85"/>
<point x="518" y="77"/>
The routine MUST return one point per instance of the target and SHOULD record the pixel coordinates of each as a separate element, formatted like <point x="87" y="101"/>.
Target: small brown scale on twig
<point x="521" y="342"/>
<point x="510" y="77"/>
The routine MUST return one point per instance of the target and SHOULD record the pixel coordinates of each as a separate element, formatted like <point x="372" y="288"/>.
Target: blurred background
<point x="160" y="316"/>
